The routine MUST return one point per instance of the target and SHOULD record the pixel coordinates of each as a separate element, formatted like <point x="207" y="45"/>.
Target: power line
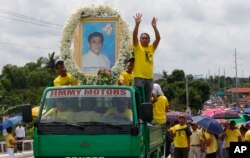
<point x="52" y="27"/>
<point x="22" y="45"/>
<point x="27" y="17"/>
<point x="30" y="20"/>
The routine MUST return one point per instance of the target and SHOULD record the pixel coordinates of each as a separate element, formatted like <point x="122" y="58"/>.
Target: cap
<point x="182" y="116"/>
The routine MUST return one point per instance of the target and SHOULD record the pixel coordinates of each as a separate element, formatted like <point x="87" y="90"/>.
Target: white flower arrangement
<point x="125" y="48"/>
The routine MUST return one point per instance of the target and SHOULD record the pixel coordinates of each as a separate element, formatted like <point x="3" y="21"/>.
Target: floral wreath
<point x="103" y="77"/>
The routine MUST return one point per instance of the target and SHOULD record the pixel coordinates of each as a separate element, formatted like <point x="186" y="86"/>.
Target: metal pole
<point x="236" y="78"/>
<point x="187" y="93"/>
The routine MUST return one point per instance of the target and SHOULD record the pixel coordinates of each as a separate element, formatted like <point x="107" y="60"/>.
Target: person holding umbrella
<point x="211" y="144"/>
<point x="232" y="134"/>
<point x="211" y="129"/>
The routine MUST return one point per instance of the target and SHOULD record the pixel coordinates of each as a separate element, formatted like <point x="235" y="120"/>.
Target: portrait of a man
<point x="98" y="45"/>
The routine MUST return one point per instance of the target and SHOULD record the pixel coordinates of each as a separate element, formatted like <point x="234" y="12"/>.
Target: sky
<point x="200" y="37"/>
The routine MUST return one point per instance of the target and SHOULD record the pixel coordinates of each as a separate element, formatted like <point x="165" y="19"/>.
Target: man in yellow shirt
<point x="61" y="111"/>
<point x="126" y="77"/>
<point x="64" y="78"/>
<point x="247" y="136"/>
<point x="210" y="143"/>
<point x="119" y="111"/>
<point x="10" y="142"/>
<point x="160" y="105"/>
<point x="144" y="57"/>
<point x="232" y="134"/>
<point x="181" y="135"/>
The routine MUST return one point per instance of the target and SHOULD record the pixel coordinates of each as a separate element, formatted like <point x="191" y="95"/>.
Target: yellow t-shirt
<point x="232" y="136"/>
<point x="159" y="109"/>
<point x="213" y="146"/>
<point x="247" y="136"/>
<point x="55" y="115"/>
<point x="7" y="140"/>
<point x="64" y="81"/>
<point x="127" y="78"/>
<point x="127" y="113"/>
<point x="144" y="60"/>
<point x="180" y="139"/>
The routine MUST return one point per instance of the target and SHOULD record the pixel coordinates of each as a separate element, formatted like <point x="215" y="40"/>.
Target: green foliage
<point x="22" y="85"/>
<point x="25" y="85"/>
<point x="174" y="88"/>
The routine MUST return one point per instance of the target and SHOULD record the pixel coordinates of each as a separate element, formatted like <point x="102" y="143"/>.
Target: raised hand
<point x="137" y="18"/>
<point x="154" y="20"/>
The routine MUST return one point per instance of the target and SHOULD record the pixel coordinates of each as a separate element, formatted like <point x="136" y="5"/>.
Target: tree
<point x="25" y="84"/>
<point x="51" y="64"/>
<point x="173" y="87"/>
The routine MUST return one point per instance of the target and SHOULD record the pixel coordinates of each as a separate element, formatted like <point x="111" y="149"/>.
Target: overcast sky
<point x="197" y="36"/>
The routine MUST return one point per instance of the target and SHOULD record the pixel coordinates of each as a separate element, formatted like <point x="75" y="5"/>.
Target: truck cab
<point x="96" y="121"/>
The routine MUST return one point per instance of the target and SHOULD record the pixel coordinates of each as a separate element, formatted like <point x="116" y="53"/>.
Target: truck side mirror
<point x="147" y="112"/>
<point x="26" y="113"/>
<point x="134" y="131"/>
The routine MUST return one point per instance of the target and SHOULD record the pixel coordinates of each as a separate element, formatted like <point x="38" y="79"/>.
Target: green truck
<point x="96" y="121"/>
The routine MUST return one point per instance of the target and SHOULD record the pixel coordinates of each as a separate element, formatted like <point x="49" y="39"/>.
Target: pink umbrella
<point x="211" y="112"/>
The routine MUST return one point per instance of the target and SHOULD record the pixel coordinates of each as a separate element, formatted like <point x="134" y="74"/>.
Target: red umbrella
<point x="211" y="112"/>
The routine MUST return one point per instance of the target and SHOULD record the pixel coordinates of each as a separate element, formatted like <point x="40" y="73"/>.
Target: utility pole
<point x="236" y="77"/>
<point x="187" y="93"/>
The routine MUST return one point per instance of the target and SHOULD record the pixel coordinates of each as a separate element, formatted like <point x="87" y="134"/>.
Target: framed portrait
<point x="96" y="44"/>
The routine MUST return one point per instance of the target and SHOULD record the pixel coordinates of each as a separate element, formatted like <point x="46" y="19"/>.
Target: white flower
<point x="125" y="48"/>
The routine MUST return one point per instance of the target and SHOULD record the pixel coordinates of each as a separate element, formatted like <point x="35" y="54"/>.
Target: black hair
<point x="95" y="34"/>
<point x="130" y="60"/>
<point x="9" y="129"/>
<point x="144" y="33"/>
<point x="60" y="62"/>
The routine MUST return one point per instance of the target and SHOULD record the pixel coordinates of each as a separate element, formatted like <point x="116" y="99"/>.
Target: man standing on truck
<point x="64" y="78"/>
<point x="144" y="55"/>
<point x="181" y="134"/>
<point x="160" y="105"/>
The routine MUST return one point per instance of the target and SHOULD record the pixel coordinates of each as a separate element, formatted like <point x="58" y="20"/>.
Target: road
<point x="25" y="154"/>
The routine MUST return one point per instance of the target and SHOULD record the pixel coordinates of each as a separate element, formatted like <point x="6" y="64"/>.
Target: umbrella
<point x="247" y="110"/>
<point x="226" y="115"/>
<point x="208" y="123"/>
<point x="243" y="118"/>
<point x="174" y="115"/>
<point x="211" y="112"/>
<point x="10" y="122"/>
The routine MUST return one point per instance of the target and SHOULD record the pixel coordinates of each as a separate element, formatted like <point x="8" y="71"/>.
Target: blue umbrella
<point x="247" y="110"/>
<point x="10" y="122"/>
<point x="208" y="123"/>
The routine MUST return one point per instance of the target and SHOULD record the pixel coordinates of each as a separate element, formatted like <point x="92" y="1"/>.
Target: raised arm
<point x="137" y="18"/>
<point x="157" y="34"/>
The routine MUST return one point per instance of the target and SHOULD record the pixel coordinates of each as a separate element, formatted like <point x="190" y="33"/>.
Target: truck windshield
<point x="86" y="107"/>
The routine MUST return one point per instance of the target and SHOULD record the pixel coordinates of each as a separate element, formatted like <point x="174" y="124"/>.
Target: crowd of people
<point x="187" y="140"/>
<point x="183" y="139"/>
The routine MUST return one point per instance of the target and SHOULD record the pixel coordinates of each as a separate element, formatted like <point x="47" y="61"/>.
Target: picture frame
<point x="88" y="57"/>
